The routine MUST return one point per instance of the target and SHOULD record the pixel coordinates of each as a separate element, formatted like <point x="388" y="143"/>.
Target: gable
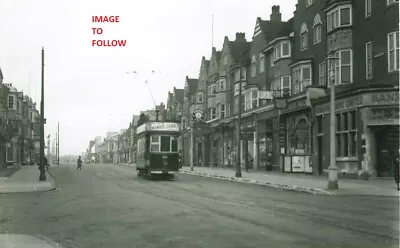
<point x="257" y="29"/>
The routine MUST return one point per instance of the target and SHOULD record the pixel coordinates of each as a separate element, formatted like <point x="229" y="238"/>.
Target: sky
<point x="87" y="89"/>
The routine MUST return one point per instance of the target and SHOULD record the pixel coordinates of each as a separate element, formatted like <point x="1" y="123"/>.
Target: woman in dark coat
<point x="396" y="168"/>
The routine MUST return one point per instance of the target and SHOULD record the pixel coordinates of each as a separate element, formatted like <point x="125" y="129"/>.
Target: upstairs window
<point x="393" y="51"/>
<point x="237" y="75"/>
<point x="262" y="64"/>
<point x="280" y="85"/>
<point x="222" y="85"/>
<point x="244" y="73"/>
<point x="368" y="60"/>
<point x="222" y="109"/>
<point x="303" y="37"/>
<point x="322" y="73"/>
<point x="200" y="97"/>
<point x="301" y="78"/>
<point x="251" y="99"/>
<point x="368" y="8"/>
<point x="253" y="66"/>
<point x="317" y="28"/>
<point x="281" y="50"/>
<point x="212" y="90"/>
<point x="309" y="3"/>
<point x="339" y="17"/>
<point x="342" y="67"/>
<point x="11" y="102"/>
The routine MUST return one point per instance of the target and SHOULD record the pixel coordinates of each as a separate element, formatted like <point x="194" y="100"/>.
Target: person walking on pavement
<point x="79" y="162"/>
<point x="396" y="168"/>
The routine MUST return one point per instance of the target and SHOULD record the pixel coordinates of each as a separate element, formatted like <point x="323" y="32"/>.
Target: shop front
<point x="367" y="133"/>
<point x="296" y="137"/>
<point x="266" y="139"/>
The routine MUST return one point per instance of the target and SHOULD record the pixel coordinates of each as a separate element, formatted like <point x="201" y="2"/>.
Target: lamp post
<point x="238" y="172"/>
<point x="42" y="176"/>
<point x="332" y="169"/>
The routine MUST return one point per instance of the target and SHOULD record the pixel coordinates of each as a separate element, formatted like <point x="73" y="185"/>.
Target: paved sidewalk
<point x="301" y="182"/>
<point x="26" y="179"/>
<point x="25" y="241"/>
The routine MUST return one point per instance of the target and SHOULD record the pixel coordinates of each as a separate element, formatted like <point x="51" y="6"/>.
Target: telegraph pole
<point x="42" y="176"/>
<point x="58" y="143"/>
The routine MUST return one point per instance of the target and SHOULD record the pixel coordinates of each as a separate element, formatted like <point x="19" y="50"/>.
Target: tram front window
<point x="163" y="143"/>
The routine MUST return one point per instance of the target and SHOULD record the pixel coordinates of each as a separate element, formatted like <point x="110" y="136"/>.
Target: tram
<point x="157" y="149"/>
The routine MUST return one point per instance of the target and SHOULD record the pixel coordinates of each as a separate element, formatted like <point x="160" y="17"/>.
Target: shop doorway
<point x="387" y="141"/>
<point x="320" y="156"/>
<point x="199" y="153"/>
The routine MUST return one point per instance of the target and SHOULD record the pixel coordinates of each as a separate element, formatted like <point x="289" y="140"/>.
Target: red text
<point x="108" y="43"/>
<point x="97" y="30"/>
<point x="105" y="18"/>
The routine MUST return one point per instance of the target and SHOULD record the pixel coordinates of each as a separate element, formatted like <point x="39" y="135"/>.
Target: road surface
<point x="108" y="206"/>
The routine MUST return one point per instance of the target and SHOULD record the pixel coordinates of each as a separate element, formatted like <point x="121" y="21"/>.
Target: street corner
<point x="26" y="241"/>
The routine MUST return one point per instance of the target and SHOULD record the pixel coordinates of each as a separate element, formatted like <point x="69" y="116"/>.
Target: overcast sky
<point x="87" y="88"/>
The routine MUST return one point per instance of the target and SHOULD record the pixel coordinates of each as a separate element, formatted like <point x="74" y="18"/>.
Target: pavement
<point x="300" y="182"/>
<point x="26" y="179"/>
<point x="107" y="205"/>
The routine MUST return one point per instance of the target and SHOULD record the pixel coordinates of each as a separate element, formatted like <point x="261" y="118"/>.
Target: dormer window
<point x="303" y="37"/>
<point x="253" y="66"/>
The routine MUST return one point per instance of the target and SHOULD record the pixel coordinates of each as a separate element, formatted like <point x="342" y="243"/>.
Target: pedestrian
<point x="396" y="168"/>
<point x="79" y="162"/>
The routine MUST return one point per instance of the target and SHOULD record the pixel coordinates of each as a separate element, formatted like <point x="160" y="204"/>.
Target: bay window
<point x="251" y="99"/>
<point x="281" y="50"/>
<point x="341" y="16"/>
<point x="237" y="75"/>
<point x="280" y="85"/>
<point x="393" y="51"/>
<point x="262" y="65"/>
<point x="222" y="85"/>
<point x="301" y="78"/>
<point x="212" y="90"/>
<point x="343" y="66"/>
<point x="244" y="73"/>
<point x="237" y="88"/>
<point x="212" y="113"/>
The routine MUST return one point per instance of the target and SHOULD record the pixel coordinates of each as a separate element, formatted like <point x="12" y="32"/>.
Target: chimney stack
<point x="240" y="37"/>
<point x="276" y="15"/>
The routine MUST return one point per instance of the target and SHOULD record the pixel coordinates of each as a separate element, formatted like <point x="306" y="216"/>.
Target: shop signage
<point x="384" y="115"/>
<point x="296" y="105"/>
<point x="164" y="126"/>
<point x="367" y="99"/>
<point x="265" y="95"/>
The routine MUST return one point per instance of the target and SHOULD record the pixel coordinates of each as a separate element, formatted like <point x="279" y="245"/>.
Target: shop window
<point x="298" y="140"/>
<point x="346" y="134"/>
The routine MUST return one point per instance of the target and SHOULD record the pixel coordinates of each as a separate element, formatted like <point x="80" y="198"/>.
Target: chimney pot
<point x="276" y="15"/>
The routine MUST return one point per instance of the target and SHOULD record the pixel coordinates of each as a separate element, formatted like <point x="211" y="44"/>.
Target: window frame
<point x="368" y="45"/>
<point x="198" y="97"/>
<point x="368" y="8"/>
<point x="261" y="66"/>
<point x="301" y="83"/>
<point x="317" y="30"/>
<point x="341" y="132"/>
<point x="338" y="65"/>
<point x="12" y="106"/>
<point x="330" y="20"/>
<point x="277" y="52"/>
<point x="324" y="76"/>
<point x="253" y="66"/>
<point x="395" y="50"/>
<point x="249" y="103"/>
<point x="309" y="3"/>
<point x="222" y="111"/>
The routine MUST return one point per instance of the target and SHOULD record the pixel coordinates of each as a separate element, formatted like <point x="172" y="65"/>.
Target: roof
<point x="192" y="84"/>
<point x="238" y="49"/>
<point x="270" y="29"/>
<point x="179" y="94"/>
<point x="286" y="29"/>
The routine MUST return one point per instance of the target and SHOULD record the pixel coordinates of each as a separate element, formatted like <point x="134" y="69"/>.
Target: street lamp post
<point x="332" y="169"/>
<point x="238" y="172"/>
<point x="42" y="176"/>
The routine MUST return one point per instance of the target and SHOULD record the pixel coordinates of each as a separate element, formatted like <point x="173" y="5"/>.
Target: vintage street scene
<point x="200" y="124"/>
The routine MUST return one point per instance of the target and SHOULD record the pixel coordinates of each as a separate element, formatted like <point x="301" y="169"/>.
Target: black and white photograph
<point x="199" y="124"/>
